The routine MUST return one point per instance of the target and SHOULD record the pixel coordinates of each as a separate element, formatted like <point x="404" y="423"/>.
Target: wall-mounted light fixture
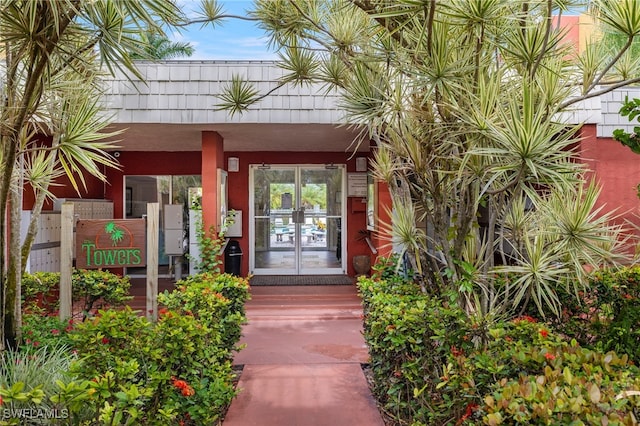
<point x="361" y="164"/>
<point x="233" y="164"/>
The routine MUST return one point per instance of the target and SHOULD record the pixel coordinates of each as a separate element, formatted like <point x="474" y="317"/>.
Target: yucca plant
<point x="54" y="53"/>
<point x="464" y="101"/>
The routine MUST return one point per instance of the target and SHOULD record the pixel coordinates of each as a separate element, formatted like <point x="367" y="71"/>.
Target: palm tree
<point x="158" y="47"/>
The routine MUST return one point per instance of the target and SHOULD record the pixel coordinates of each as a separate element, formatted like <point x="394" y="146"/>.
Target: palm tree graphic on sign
<point x="115" y="233"/>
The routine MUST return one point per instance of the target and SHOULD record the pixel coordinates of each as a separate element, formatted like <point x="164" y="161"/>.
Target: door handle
<point x="298" y="215"/>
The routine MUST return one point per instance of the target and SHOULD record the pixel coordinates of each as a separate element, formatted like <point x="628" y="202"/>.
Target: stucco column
<point x="212" y="160"/>
<point x="384" y="202"/>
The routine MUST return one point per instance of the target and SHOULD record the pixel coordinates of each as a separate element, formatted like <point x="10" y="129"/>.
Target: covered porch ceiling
<point x="254" y="137"/>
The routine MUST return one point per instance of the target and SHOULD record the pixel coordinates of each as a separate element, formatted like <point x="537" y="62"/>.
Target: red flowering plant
<point x="174" y="371"/>
<point x="38" y="331"/>
<point x="217" y="300"/>
<point x="108" y="338"/>
<point x="199" y="367"/>
<point x="434" y="364"/>
<point x="527" y="374"/>
<point x="183" y="387"/>
<point x="412" y="337"/>
<point x="543" y="378"/>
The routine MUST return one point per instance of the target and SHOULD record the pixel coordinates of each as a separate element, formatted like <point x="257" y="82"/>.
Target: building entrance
<point x="296" y="219"/>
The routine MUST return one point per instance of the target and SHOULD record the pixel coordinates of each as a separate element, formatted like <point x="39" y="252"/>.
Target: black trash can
<point x="233" y="258"/>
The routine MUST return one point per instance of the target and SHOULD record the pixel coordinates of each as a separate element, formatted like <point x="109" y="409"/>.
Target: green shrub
<point x="40" y="292"/>
<point x="535" y="377"/>
<point x="234" y="288"/>
<point x="409" y="337"/>
<point x="120" y="350"/>
<point x="39" y="331"/>
<point x="198" y="294"/>
<point x="177" y="370"/>
<point x="91" y="286"/>
<point x="434" y="365"/>
<point x="607" y="318"/>
<point x="200" y="357"/>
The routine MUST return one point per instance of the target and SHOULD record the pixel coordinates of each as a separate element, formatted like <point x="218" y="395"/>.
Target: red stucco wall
<point x="148" y="163"/>
<point x="616" y="169"/>
<point x="188" y="163"/>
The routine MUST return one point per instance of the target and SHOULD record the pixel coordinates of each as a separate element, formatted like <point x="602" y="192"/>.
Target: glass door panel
<point x="297" y="211"/>
<point x="274" y="200"/>
<point x="321" y="192"/>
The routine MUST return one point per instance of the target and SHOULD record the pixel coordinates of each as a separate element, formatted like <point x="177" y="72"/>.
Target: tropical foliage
<point x="434" y="365"/>
<point x="159" y="47"/>
<point x="465" y="102"/>
<point x="54" y="54"/>
<point x="121" y="368"/>
<point x="631" y="110"/>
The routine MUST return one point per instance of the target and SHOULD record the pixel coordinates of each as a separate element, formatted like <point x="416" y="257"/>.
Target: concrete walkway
<point x="302" y="360"/>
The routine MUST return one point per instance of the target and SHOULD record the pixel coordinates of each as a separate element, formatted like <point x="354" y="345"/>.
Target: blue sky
<point x="233" y="39"/>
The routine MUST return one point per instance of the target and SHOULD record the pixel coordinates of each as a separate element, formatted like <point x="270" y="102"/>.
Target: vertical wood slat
<point x="66" y="260"/>
<point x="153" y="214"/>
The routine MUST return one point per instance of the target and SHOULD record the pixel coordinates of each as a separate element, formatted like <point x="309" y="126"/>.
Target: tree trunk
<point x="7" y="284"/>
<point x="11" y="275"/>
<point x="14" y="270"/>
<point x="36" y="212"/>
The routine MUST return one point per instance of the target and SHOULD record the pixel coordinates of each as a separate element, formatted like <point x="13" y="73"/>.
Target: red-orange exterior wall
<point x="148" y="163"/>
<point x="212" y="160"/>
<point x="571" y="25"/>
<point x="382" y="239"/>
<point x="206" y="163"/>
<point x="616" y="169"/>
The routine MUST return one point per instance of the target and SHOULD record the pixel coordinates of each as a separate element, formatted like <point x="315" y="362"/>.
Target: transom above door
<point x="296" y="219"/>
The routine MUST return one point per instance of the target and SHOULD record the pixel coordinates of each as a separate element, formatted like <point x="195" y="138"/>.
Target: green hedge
<point x="607" y="316"/>
<point x="92" y="288"/>
<point x="435" y="365"/>
<point x="129" y="370"/>
<point x="409" y="335"/>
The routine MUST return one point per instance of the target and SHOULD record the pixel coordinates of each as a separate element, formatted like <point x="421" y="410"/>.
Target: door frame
<point x="297" y="242"/>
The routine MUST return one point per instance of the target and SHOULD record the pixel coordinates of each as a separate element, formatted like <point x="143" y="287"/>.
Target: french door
<point x="297" y="220"/>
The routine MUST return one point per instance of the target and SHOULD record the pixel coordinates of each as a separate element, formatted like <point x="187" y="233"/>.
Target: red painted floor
<point x="302" y="363"/>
